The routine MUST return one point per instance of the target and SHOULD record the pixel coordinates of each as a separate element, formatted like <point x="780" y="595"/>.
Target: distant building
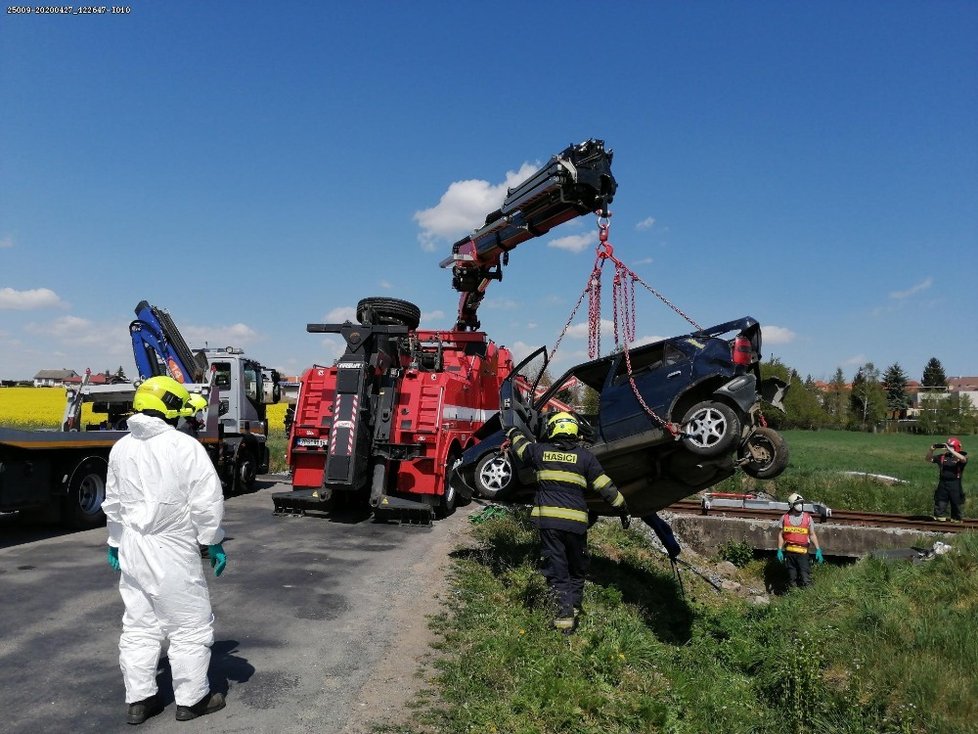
<point x="964" y="386"/>
<point x="97" y="378"/>
<point x="55" y="378"/>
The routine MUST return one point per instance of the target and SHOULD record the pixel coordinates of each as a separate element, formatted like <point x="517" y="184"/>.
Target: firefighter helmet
<point x="195" y="404"/>
<point x="795" y="498"/>
<point x="562" y="424"/>
<point x="162" y="395"/>
<point x="954" y="444"/>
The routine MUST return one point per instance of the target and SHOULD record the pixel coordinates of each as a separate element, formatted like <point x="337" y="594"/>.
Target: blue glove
<point x="818" y="556"/>
<point x="114" y="558"/>
<point x="219" y="558"/>
<point x="780" y="555"/>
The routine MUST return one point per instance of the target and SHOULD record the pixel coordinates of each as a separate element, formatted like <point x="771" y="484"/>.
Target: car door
<point x="660" y="372"/>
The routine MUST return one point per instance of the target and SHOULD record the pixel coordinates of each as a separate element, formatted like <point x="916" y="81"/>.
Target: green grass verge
<point x="871" y="648"/>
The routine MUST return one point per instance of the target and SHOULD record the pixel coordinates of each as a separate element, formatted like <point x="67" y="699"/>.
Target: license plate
<point x="317" y="442"/>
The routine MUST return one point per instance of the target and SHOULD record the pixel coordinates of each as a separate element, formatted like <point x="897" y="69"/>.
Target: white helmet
<point x="794" y="498"/>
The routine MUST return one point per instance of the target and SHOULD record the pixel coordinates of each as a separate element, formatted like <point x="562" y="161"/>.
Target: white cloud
<point x="386" y="285"/>
<point x="575" y="242"/>
<point x="6" y="242"/>
<point x="28" y="300"/>
<point x="777" y="334"/>
<point x="921" y="286"/>
<point x="644" y="261"/>
<point x="341" y="314"/>
<point x="581" y="331"/>
<point x="464" y="206"/>
<point x="334" y="347"/>
<point x="645" y="224"/>
<point x="430" y="317"/>
<point x="216" y="337"/>
<point x="857" y="360"/>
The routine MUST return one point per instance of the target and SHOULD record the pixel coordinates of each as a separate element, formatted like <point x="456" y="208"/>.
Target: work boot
<point x="207" y="705"/>
<point x="142" y="710"/>
<point x="940" y="518"/>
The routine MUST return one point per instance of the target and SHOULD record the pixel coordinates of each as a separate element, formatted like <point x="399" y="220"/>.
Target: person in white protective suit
<point x="163" y="499"/>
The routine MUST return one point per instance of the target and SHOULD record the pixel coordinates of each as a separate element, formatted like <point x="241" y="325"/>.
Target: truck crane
<point x="245" y="388"/>
<point x="383" y="427"/>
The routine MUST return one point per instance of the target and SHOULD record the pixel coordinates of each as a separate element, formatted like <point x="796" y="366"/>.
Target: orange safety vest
<point x="796" y="537"/>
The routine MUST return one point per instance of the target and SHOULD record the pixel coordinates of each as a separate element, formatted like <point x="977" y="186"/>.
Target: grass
<point x="873" y="648"/>
<point x="820" y="458"/>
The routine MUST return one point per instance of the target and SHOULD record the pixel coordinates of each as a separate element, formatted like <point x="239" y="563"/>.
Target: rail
<point x="838" y="517"/>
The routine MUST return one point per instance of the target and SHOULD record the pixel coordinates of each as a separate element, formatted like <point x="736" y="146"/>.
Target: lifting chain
<point x="623" y="308"/>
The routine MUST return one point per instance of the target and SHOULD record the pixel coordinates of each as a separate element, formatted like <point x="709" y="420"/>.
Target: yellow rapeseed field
<point x="38" y="407"/>
<point x="43" y="407"/>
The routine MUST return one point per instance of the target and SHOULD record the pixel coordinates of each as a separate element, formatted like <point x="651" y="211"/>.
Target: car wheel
<point x="765" y="453"/>
<point x="710" y="428"/>
<point x="449" y="498"/>
<point x="245" y="471"/>
<point x="86" y="493"/>
<point x="493" y="475"/>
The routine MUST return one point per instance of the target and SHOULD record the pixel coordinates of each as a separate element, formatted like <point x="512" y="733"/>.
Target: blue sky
<point x="254" y="167"/>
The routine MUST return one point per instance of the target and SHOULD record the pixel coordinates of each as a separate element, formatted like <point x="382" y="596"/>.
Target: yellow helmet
<point x="562" y="424"/>
<point x="162" y="395"/>
<point x="195" y="404"/>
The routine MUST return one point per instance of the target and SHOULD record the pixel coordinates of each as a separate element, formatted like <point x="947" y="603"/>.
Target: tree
<point x="947" y="415"/>
<point x="802" y="406"/>
<point x="934" y="374"/>
<point x="836" y="400"/>
<point x="895" y="385"/>
<point x="867" y="398"/>
<point x="121" y="374"/>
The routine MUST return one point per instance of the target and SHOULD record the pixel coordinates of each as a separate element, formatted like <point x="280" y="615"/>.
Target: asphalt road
<point x="306" y="613"/>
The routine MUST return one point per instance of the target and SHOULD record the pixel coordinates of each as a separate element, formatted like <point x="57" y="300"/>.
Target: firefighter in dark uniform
<point x="949" y="488"/>
<point x="565" y="470"/>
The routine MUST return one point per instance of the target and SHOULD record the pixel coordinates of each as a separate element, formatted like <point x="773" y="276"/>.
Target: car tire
<point x="450" y="497"/>
<point x="245" y="471"/>
<point x="493" y="475"/>
<point x="710" y="428"/>
<point x="379" y="311"/>
<point x="766" y="454"/>
<point x="82" y="508"/>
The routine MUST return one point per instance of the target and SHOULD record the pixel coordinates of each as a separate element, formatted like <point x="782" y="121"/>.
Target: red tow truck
<point x="383" y="427"/>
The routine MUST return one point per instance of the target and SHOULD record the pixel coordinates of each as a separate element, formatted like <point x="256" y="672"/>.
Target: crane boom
<point x="576" y="181"/>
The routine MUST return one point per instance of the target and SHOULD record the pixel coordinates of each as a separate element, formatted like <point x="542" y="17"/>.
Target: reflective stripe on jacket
<point x="564" y="471"/>
<point x="796" y="537"/>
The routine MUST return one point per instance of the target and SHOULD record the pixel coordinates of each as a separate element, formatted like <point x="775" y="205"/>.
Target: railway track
<point x="838" y="517"/>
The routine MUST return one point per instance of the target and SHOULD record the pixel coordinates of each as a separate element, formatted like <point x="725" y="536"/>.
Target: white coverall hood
<point x="163" y="498"/>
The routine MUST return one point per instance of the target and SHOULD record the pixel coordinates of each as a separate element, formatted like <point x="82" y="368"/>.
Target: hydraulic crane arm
<point x="574" y="182"/>
<point x="159" y="348"/>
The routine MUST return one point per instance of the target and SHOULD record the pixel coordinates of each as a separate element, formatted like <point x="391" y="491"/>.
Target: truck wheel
<point x="710" y="428"/>
<point x="448" y="500"/>
<point x="82" y="508"/>
<point x="380" y="311"/>
<point x="245" y="471"/>
<point x="493" y="475"/>
<point x="766" y="453"/>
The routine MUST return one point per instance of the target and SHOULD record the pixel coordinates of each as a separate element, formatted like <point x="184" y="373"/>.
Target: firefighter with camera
<point x="951" y="461"/>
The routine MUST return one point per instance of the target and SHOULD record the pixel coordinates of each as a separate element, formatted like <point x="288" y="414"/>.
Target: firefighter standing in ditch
<point x="564" y="471"/>
<point x="949" y="488"/>
<point x="796" y="537"/>
<point x="163" y="498"/>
